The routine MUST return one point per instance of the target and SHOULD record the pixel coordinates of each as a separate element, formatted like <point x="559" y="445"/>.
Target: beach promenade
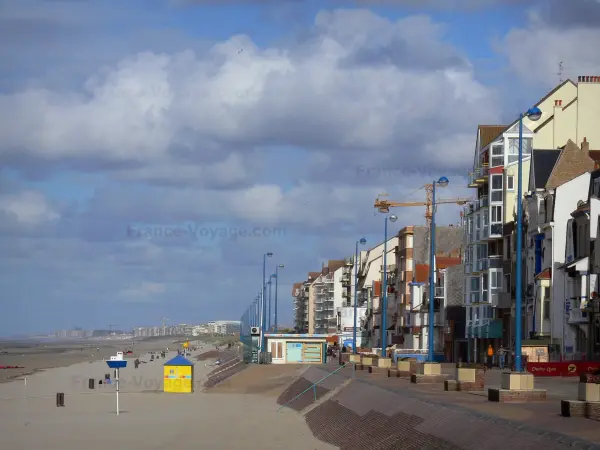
<point x="149" y="419"/>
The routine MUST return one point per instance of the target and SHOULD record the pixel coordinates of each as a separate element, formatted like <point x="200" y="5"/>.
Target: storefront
<point x="297" y="348"/>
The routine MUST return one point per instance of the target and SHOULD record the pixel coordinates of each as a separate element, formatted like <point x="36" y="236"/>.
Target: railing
<point x="314" y="385"/>
<point x="496" y="229"/>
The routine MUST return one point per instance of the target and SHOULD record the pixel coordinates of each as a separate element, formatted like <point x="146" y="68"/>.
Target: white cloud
<point x="29" y="207"/>
<point x="359" y="82"/>
<point x="535" y="51"/>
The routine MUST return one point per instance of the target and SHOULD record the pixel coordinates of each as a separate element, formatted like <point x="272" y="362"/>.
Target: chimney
<point x="557" y="103"/>
<point x="588" y="79"/>
<point x="585" y="145"/>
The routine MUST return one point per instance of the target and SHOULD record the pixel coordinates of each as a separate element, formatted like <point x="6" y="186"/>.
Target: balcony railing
<point x="496" y="229"/>
<point x="474" y="297"/>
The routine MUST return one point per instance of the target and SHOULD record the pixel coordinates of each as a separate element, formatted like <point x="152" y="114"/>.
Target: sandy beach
<point x="148" y="419"/>
<point x="34" y="357"/>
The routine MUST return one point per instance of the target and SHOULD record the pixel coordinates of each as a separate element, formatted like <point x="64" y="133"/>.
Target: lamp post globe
<point x="362" y="241"/>
<point x="393" y="218"/>
<point x="534" y="114"/>
<point x="443" y="182"/>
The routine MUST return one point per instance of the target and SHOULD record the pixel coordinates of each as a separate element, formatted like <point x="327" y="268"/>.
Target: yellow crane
<point x="385" y="205"/>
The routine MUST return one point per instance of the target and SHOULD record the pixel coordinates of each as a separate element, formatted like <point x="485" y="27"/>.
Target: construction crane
<point x="384" y="205"/>
<point x="164" y="321"/>
<point x="110" y="327"/>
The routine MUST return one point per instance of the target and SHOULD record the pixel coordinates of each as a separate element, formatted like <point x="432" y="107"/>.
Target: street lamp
<point x="441" y="182"/>
<point x="361" y="241"/>
<point x="264" y="303"/>
<point x="534" y="114"/>
<point x="391" y="218"/>
<point x="269" y="319"/>
<point x="277" y="267"/>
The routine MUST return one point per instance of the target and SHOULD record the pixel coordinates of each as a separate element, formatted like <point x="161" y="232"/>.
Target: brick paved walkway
<point x="461" y="420"/>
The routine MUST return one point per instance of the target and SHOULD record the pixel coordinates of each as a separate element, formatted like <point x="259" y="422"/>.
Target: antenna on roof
<point x="560" y="72"/>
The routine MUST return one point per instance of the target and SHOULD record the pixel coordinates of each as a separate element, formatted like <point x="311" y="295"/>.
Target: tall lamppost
<point x="264" y="302"/>
<point x="442" y="182"/>
<point x="361" y="241"/>
<point x="277" y="267"/>
<point x="534" y="114"/>
<point x="391" y="218"/>
<point x="270" y="320"/>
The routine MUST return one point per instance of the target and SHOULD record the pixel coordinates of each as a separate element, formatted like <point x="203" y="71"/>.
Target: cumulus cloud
<point x="299" y="136"/>
<point x="28" y="207"/>
<point x="359" y="82"/>
<point x="567" y="32"/>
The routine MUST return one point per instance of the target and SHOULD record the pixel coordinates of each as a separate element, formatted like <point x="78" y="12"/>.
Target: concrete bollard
<point x="91" y="383"/>
<point x="60" y="399"/>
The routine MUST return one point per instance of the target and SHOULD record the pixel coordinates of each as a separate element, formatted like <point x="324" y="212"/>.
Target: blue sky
<point x="240" y="118"/>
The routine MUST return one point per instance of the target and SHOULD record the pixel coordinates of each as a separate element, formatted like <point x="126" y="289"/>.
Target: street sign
<point x="117" y="362"/>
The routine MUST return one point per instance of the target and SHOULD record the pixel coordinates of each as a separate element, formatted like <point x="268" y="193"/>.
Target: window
<point x="496" y="187"/>
<point x="510" y="183"/>
<point x="513" y="148"/>
<point x="475" y="284"/>
<point x="497" y="159"/>
<point x="497" y="214"/>
<point x="506" y="283"/>
<point x="547" y="303"/>
<point x="496" y="279"/>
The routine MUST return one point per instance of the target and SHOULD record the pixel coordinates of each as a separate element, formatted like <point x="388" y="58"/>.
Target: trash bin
<point x="91" y="383"/>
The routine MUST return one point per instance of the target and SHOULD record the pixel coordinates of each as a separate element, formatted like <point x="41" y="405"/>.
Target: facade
<point x="489" y="279"/>
<point x="369" y="285"/>
<point x="412" y="250"/>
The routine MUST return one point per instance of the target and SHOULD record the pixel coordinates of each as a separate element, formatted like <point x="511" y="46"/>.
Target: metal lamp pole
<point x="361" y="241"/>
<point x="392" y="218"/>
<point x="269" y="321"/>
<point x="264" y="303"/>
<point x="534" y="114"/>
<point x="276" y="283"/>
<point x="442" y="182"/>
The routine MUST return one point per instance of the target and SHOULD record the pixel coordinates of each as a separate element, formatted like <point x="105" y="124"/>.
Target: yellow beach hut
<point x="179" y="375"/>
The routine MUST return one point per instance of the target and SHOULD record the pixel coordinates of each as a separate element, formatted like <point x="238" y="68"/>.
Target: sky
<point x="152" y="152"/>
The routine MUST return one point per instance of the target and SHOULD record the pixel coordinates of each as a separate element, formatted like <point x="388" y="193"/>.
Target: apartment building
<point x="300" y="296"/>
<point x="416" y="314"/>
<point x="412" y="250"/>
<point x="328" y="297"/>
<point x="369" y="284"/>
<point x="568" y="112"/>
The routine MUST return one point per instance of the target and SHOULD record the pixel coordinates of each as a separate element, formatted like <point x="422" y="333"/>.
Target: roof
<point x="545" y="274"/>
<point x="179" y="361"/>
<point x="443" y="262"/>
<point x="312" y="276"/>
<point x="542" y="163"/>
<point x="571" y="163"/>
<point x="487" y="133"/>
<point x="421" y="274"/>
<point x="294" y="287"/>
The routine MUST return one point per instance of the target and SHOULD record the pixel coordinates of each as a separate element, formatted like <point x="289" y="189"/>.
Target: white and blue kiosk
<point x="117" y="362"/>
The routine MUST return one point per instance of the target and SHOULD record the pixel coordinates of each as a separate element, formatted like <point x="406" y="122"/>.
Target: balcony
<point x="501" y="300"/>
<point x="474" y="297"/>
<point x="439" y="292"/>
<point x="484" y="201"/>
<point x="496" y="230"/>
<point x="482" y="264"/>
<point x="576" y="316"/>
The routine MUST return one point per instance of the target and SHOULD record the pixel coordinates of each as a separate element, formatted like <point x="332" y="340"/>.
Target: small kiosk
<point x="297" y="348"/>
<point x="179" y="375"/>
